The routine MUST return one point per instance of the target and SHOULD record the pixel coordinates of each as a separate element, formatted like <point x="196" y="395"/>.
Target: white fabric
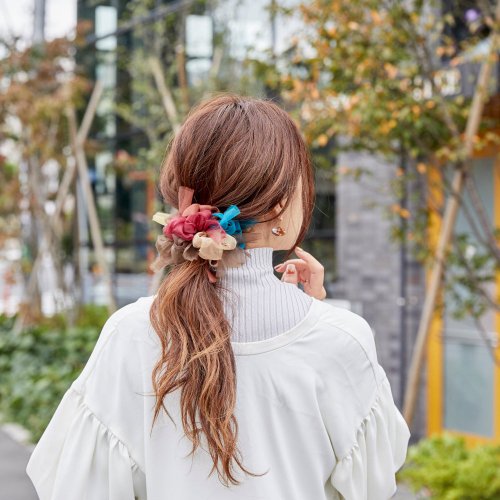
<point x="81" y="458"/>
<point x="256" y="302"/>
<point x="380" y="447"/>
<point x="314" y="410"/>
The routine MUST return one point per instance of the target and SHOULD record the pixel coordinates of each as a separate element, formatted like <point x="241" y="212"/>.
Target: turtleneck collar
<point x="256" y="302"/>
<point x="258" y="264"/>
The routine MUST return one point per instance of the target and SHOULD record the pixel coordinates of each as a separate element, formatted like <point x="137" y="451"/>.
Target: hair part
<point x="231" y="150"/>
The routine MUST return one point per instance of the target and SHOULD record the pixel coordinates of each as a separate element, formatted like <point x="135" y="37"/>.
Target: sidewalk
<point x="16" y="485"/>
<point x="404" y="493"/>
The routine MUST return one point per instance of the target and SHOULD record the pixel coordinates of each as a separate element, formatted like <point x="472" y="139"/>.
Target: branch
<point x="489" y="243"/>
<point x="166" y="95"/>
<point x="94" y="223"/>
<point x="484" y="334"/>
<point x="478" y="205"/>
<point x="81" y="135"/>
<point x="470" y="274"/>
<point x="427" y="68"/>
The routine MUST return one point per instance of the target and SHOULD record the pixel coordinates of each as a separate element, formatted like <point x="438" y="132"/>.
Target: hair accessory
<point x="232" y="226"/>
<point x="202" y="231"/>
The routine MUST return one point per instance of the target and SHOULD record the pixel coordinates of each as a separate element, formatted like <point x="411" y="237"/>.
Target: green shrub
<point x="38" y="365"/>
<point x="443" y="466"/>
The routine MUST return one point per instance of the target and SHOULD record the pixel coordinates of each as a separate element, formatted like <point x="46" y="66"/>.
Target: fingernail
<point x="299" y="249"/>
<point x="277" y="265"/>
<point x="290" y="268"/>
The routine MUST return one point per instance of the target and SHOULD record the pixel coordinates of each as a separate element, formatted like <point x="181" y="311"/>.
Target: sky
<point x="16" y="17"/>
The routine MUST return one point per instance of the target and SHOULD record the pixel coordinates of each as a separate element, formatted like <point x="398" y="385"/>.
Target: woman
<point x="261" y="381"/>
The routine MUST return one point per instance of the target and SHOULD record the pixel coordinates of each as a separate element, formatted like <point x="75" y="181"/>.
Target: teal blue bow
<point x="231" y="226"/>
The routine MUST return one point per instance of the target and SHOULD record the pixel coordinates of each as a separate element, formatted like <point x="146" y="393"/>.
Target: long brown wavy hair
<point x="230" y="150"/>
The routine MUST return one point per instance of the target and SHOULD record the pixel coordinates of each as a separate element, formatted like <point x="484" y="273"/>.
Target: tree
<point x="39" y="84"/>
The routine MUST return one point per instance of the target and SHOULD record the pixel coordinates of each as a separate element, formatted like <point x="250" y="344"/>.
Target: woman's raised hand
<point x="306" y="270"/>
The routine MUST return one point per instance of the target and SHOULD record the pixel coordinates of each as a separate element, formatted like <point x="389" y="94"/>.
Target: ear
<point x="278" y="208"/>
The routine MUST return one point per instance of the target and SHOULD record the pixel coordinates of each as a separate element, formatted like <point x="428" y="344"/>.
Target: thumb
<point x="290" y="275"/>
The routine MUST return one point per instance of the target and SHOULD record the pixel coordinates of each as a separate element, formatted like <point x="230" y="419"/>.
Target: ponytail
<point x="197" y="357"/>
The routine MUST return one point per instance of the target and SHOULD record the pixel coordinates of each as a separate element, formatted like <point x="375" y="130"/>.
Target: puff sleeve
<point x="368" y="470"/>
<point x="78" y="458"/>
<point x="92" y="448"/>
<point x="368" y="433"/>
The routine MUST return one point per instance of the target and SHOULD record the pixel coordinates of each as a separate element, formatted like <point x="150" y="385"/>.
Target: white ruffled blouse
<point x="314" y="410"/>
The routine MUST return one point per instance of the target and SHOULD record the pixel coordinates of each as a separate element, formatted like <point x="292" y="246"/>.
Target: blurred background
<point x="399" y="103"/>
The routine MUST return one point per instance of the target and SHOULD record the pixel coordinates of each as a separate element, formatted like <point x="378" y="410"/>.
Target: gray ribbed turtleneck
<point x="256" y="302"/>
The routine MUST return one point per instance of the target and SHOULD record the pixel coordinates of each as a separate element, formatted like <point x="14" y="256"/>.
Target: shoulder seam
<point x="124" y="316"/>
<point x="362" y="348"/>
<point x="99" y="354"/>
<point x="111" y="325"/>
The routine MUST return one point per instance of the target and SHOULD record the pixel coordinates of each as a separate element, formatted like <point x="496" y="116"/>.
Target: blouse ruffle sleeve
<point x="369" y="435"/>
<point x="368" y="470"/>
<point x="79" y="458"/>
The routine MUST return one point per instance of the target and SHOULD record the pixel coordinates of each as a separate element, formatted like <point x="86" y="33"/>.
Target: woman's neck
<point x="257" y="303"/>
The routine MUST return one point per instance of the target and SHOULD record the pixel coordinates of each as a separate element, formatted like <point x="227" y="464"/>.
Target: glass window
<point x="199" y="34"/>
<point x="468" y="388"/>
<point x="105" y="23"/>
<point x="468" y="366"/>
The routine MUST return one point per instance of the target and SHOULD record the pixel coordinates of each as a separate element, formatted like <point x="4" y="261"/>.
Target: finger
<point x="314" y="278"/>
<point x="290" y="275"/>
<point x="315" y="265"/>
<point x="302" y="269"/>
<point x="299" y="263"/>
